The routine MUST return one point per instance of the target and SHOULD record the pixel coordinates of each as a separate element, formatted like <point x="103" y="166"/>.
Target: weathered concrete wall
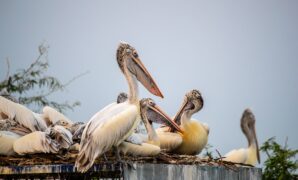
<point x="141" y="171"/>
<point x="190" y="172"/>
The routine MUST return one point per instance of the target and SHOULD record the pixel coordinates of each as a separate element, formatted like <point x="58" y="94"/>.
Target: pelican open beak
<point x="256" y="141"/>
<point x="155" y="114"/>
<point x="187" y="105"/>
<point x="179" y="113"/>
<point x="136" y="67"/>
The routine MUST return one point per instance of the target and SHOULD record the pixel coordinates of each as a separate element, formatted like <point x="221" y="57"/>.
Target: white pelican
<point x="112" y="125"/>
<point x="21" y="114"/>
<point x="194" y="134"/>
<point x="20" y="126"/>
<point x="7" y="140"/>
<point x="150" y="112"/>
<point x="35" y="142"/>
<point x="52" y="116"/>
<point x="53" y="140"/>
<point x="251" y="154"/>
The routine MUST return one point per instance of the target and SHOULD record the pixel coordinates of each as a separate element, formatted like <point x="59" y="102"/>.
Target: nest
<point x="162" y="158"/>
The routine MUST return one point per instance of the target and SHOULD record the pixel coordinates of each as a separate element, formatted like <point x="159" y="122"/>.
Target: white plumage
<point x="52" y="116"/>
<point x="26" y="132"/>
<point x="112" y="125"/>
<point x="144" y="149"/>
<point x="21" y="114"/>
<point x="106" y="129"/>
<point x="7" y="140"/>
<point x="35" y="142"/>
<point x="249" y="155"/>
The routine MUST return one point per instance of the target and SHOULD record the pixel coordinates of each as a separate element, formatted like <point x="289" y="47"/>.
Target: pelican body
<point x="249" y="155"/>
<point x="7" y="140"/>
<point x="22" y="115"/>
<point x="112" y="125"/>
<point x="194" y="134"/>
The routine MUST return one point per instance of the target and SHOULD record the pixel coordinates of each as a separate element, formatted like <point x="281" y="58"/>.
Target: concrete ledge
<point x="141" y="171"/>
<point x="60" y="171"/>
<point x="190" y="172"/>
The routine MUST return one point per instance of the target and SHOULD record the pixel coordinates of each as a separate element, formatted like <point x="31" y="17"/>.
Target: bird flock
<point x="123" y="127"/>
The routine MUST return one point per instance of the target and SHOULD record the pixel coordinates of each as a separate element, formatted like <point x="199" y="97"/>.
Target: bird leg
<point x="129" y="164"/>
<point x="116" y="150"/>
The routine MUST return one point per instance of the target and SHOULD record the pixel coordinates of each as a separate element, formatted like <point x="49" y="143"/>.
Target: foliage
<point x="22" y="84"/>
<point x="281" y="162"/>
<point x="208" y="151"/>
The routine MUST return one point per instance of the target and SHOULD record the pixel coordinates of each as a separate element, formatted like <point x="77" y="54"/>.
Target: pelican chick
<point x="249" y="155"/>
<point x="113" y="124"/>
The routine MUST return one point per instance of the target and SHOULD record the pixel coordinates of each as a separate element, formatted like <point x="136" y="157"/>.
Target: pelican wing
<point x="236" y="156"/>
<point x="62" y="136"/>
<point x="21" y="114"/>
<point x="7" y="140"/>
<point x="35" y="142"/>
<point x="99" y="118"/>
<point x="107" y="128"/>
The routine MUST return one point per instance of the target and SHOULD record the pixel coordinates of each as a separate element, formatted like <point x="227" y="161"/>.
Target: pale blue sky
<point x="237" y="53"/>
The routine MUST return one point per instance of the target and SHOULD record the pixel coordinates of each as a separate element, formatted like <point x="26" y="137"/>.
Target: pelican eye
<point x="151" y="103"/>
<point x="135" y="54"/>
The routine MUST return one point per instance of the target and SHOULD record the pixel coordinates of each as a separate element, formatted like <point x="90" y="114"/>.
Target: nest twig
<point x="162" y="158"/>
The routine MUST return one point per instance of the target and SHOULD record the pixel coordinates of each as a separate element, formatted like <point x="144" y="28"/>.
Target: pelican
<point x="113" y="124"/>
<point x="150" y="112"/>
<point x="22" y="115"/>
<point x="194" y="134"/>
<point x="35" y="142"/>
<point x="249" y="155"/>
<point x="53" y="140"/>
<point x="7" y="140"/>
<point x="26" y="132"/>
<point x="52" y="116"/>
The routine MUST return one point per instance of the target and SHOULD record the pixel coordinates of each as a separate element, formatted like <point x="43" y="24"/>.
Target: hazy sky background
<point x="239" y="54"/>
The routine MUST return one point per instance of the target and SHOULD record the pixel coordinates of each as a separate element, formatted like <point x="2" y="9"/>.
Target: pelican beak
<point x="162" y="118"/>
<point x="136" y="67"/>
<point x="178" y="115"/>
<point x="257" y="145"/>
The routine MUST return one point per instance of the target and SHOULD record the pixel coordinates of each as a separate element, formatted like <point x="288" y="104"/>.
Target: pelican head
<point x="122" y="97"/>
<point x="150" y="112"/>
<point x="248" y="128"/>
<point x="130" y="63"/>
<point x="193" y="102"/>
